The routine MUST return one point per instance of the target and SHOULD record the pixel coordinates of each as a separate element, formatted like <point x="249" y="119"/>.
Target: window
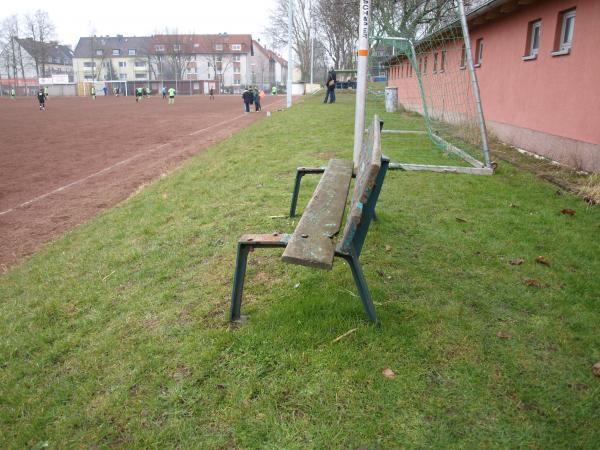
<point x="140" y="75"/>
<point x="116" y="52"/>
<point x="89" y="64"/>
<point x="159" y="48"/>
<point x="566" y="26"/>
<point x="122" y="64"/>
<point x="236" y="58"/>
<point x="444" y="61"/>
<point x="219" y="47"/>
<point x="479" y="52"/>
<point x="196" y="45"/>
<point x="236" y="47"/>
<point x="176" y="47"/>
<point x="237" y="81"/>
<point x="463" y="57"/>
<point x="123" y="76"/>
<point x="139" y="64"/>
<point x="131" y="52"/>
<point x="98" y="52"/>
<point x="533" y="39"/>
<point x="236" y="68"/>
<point x="425" y="65"/>
<point x="435" y="62"/>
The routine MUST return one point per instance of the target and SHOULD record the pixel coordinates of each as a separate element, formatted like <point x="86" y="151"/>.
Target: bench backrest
<point x="366" y="190"/>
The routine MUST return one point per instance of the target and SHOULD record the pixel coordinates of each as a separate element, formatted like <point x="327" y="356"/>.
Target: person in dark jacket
<point x="248" y="98"/>
<point x="331" y="80"/>
<point x="42" y="99"/>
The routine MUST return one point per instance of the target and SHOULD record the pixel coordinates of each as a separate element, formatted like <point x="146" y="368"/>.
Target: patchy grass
<point x="116" y="335"/>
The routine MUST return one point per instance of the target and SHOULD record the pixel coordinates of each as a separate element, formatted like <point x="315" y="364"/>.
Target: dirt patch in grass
<point x="585" y="185"/>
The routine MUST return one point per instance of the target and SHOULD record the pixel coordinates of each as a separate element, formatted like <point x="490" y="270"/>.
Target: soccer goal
<point x="425" y="72"/>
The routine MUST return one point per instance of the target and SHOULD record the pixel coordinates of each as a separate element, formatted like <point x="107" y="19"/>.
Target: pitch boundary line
<point x="106" y="169"/>
<point x="81" y="180"/>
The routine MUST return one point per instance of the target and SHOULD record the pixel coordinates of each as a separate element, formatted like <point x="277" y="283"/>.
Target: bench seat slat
<point x="312" y="244"/>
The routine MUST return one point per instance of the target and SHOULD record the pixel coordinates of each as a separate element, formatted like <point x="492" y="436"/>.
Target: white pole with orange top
<point x="361" y="76"/>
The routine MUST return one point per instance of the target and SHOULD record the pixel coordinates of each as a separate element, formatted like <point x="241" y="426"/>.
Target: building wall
<point x="129" y="69"/>
<point x="549" y="105"/>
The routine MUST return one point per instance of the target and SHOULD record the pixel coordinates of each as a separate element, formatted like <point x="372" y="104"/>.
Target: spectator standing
<point x="247" y="97"/>
<point x="256" y="97"/>
<point x="105" y="90"/>
<point x="164" y="92"/>
<point x="211" y="93"/>
<point x="331" y="80"/>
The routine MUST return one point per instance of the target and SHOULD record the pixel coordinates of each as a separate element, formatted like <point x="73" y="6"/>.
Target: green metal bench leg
<point x="361" y="284"/>
<point x="238" y="280"/>
<point x="299" y="175"/>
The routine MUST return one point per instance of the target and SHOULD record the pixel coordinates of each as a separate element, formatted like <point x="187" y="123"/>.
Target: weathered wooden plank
<point x="366" y="173"/>
<point x="311" y="244"/>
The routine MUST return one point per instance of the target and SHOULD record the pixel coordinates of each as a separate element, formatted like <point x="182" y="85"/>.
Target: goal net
<point x="421" y="72"/>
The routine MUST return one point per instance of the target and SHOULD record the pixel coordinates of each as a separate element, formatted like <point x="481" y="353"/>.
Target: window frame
<point x="116" y="52"/>
<point x="131" y="52"/>
<point x="236" y="47"/>
<point x="531" y="52"/>
<point x="564" y="45"/>
<point x="479" y="46"/>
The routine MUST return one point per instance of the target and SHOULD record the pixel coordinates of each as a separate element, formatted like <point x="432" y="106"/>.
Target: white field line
<point x="81" y="180"/>
<point x="125" y="161"/>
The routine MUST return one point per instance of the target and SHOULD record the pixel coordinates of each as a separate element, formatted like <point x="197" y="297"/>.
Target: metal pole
<point x="290" y="55"/>
<point x="361" y="75"/>
<point x="312" y="44"/>
<point x="475" y="85"/>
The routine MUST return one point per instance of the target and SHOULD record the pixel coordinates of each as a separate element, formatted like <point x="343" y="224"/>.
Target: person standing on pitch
<point x="331" y="79"/>
<point x="42" y="99"/>
<point x="13" y="93"/>
<point x="211" y="93"/>
<point x="93" y="93"/>
<point x="164" y="92"/>
<point x="256" y="96"/>
<point x="247" y="97"/>
<point x="171" y="96"/>
<point x="138" y="93"/>
<point x="274" y="90"/>
<point x="46" y="92"/>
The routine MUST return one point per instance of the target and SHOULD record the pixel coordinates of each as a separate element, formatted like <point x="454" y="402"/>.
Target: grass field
<point x="116" y="335"/>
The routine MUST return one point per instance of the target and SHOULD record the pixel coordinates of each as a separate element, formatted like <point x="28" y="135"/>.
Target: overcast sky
<point x="134" y="18"/>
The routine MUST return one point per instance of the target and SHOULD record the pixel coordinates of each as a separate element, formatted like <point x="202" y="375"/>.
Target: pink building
<point x="538" y="67"/>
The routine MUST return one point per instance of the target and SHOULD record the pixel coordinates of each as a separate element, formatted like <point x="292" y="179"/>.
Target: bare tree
<point x="11" y="48"/>
<point x="337" y="22"/>
<point x="301" y="31"/>
<point x="41" y="30"/>
<point x="219" y="61"/>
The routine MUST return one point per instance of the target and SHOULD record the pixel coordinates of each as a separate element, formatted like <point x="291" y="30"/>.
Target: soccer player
<point x="46" y="91"/>
<point x="139" y="91"/>
<point x="13" y="93"/>
<point x="93" y="93"/>
<point x="42" y="99"/>
<point x="171" y="96"/>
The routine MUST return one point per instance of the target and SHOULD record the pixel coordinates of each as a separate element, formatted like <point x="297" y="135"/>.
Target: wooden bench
<point x="301" y="171"/>
<point x="313" y="241"/>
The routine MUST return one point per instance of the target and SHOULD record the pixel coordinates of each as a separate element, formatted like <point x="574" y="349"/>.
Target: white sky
<point x="134" y="18"/>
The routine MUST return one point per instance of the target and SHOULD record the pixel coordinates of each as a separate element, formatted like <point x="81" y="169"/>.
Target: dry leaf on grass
<point x="532" y="282"/>
<point x="596" y="369"/>
<point x="388" y="248"/>
<point x="516" y="262"/>
<point x="542" y="260"/>
<point x="568" y="212"/>
<point x="503" y="334"/>
<point x="460" y="219"/>
<point x="389" y="373"/>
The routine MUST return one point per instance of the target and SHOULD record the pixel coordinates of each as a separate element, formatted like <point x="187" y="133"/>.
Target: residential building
<point x="267" y="68"/>
<point x="99" y="58"/>
<point x="219" y="61"/>
<point x="36" y="60"/>
<point x="539" y="79"/>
